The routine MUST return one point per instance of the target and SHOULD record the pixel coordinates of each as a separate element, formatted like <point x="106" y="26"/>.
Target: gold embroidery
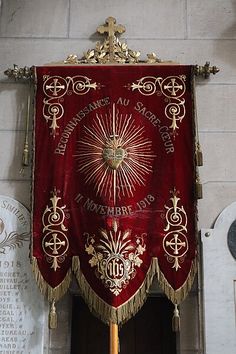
<point x="175" y="111"/>
<point x="114" y="155"/>
<point x="115" y="257"/>
<point x="175" y="242"/>
<point x="55" y="242"/>
<point x="173" y="88"/>
<point x="55" y="88"/>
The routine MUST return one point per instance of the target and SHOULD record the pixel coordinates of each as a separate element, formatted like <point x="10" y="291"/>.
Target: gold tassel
<point x="52" y="316"/>
<point x="25" y="156"/>
<point x="176" y="320"/>
<point x="199" y="193"/>
<point x="198" y="188"/>
<point x="199" y="156"/>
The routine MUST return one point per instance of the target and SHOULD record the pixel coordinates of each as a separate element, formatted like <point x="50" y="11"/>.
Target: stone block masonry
<point x="186" y="31"/>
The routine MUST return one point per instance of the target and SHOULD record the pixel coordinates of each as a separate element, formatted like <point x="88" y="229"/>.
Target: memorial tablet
<point x="21" y="305"/>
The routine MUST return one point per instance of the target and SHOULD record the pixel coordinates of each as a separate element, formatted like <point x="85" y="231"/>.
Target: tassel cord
<point x="198" y="151"/>
<point x="25" y="155"/>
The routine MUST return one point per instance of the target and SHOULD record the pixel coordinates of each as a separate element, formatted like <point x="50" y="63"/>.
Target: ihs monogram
<point x="115" y="257"/>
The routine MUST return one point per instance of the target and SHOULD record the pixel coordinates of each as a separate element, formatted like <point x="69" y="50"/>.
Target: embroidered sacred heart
<point x="113" y="156"/>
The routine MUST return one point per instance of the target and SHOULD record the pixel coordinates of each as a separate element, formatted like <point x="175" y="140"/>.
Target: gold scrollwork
<point x="175" y="111"/>
<point x="52" y="112"/>
<point x="147" y="85"/>
<point x="115" y="258"/>
<point x="175" y="242"/>
<point x="172" y="87"/>
<point x="55" y="88"/>
<point x="55" y="242"/>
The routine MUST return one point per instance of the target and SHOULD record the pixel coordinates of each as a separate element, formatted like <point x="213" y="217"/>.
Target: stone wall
<point x="186" y="31"/>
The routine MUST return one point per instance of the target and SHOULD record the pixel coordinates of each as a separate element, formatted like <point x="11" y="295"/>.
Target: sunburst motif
<point x="114" y="155"/>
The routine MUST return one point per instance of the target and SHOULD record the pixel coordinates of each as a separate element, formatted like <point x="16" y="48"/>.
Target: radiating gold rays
<point x="114" y="155"/>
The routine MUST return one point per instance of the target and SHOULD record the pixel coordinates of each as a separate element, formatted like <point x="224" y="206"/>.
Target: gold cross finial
<point x="110" y="27"/>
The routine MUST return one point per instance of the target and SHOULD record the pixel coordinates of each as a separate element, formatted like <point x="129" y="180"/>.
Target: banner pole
<point x="114" y="345"/>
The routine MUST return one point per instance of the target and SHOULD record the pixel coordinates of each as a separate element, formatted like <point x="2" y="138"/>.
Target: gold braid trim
<point x="177" y="296"/>
<point x="108" y="313"/>
<point x="52" y="294"/>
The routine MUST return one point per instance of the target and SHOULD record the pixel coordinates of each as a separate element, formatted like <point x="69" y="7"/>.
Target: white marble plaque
<point x="21" y="305"/>
<point x="219" y="269"/>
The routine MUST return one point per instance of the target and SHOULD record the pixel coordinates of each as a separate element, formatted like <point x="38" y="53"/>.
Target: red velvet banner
<point x="114" y="183"/>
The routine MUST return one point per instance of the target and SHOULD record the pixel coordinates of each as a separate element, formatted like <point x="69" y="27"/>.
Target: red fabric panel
<point x="115" y="144"/>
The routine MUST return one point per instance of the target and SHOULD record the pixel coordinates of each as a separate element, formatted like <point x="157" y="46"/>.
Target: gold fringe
<point x="99" y="307"/>
<point x="52" y="320"/>
<point x="177" y="296"/>
<point x="109" y="313"/>
<point x="52" y="294"/>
